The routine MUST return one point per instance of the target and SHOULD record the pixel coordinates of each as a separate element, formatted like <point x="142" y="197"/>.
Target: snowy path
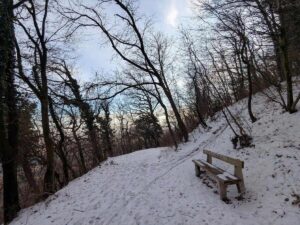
<point x="158" y="186"/>
<point x="163" y="176"/>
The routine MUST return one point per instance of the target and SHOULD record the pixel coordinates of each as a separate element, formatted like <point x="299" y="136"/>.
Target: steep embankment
<point x="158" y="186"/>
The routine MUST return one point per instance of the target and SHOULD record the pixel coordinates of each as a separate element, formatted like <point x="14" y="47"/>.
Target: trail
<point x="183" y="159"/>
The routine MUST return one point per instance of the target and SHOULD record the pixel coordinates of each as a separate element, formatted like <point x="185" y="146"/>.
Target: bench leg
<point x="241" y="187"/>
<point x="197" y="170"/>
<point x="222" y="190"/>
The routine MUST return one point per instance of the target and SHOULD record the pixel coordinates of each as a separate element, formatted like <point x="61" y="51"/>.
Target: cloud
<point x="172" y="15"/>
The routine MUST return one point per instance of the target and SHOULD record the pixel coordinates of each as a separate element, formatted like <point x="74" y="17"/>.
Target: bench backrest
<point x="233" y="161"/>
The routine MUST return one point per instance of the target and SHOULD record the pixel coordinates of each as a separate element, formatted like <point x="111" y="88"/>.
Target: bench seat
<point x="216" y="172"/>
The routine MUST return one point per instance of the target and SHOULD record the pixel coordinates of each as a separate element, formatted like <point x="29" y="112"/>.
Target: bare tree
<point x="130" y="43"/>
<point x="269" y="23"/>
<point x="38" y="39"/>
<point x="85" y="109"/>
<point x="8" y="112"/>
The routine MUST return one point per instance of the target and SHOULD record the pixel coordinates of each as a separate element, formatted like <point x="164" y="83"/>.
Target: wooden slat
<point x="233" y="161"/>
<point x="227" y="177"/>
<point x="204" y="164"/>
<point x="216" y="172"/>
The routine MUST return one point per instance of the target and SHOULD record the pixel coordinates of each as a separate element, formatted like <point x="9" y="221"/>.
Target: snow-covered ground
<point x="159" y="186"/>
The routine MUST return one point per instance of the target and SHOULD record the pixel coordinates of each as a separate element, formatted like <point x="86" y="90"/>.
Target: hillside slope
<point x="158" y="186"/>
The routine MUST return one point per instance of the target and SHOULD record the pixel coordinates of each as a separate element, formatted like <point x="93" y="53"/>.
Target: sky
<point x="94" y="57"/>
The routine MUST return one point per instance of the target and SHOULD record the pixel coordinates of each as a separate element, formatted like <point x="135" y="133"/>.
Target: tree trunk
<point x="80" y="152"/>
<point x="60" y="148"/>
<point x="249" y="75"/>
<point x="198" y="102"/>
<point x="106" y="134"/>
<point x="89" y="120"/>
<point x="250" y="72"/>
<point x="285" y="61"/>
<point x="49" y="187"/>
<point x="180" y="122"/>
<point x="8" y="113"/>
<point x="169" y="125"/>
<point x="159" y="99"/>
<point x="29" y="175"/>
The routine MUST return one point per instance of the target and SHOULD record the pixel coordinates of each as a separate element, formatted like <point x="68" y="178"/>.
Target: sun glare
<point x="172" y="15"/>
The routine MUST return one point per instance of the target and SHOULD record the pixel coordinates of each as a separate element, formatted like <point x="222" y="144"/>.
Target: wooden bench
<point x="222" y="177"/>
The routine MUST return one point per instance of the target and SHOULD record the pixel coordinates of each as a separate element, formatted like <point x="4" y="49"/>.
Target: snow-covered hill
<point x="158" y="186"/>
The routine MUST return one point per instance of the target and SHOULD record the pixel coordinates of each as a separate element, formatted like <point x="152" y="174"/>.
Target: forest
<point x="57" y="122"/>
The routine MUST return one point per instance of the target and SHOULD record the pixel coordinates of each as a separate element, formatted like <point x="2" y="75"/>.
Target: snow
<point x="159" y="186"/>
